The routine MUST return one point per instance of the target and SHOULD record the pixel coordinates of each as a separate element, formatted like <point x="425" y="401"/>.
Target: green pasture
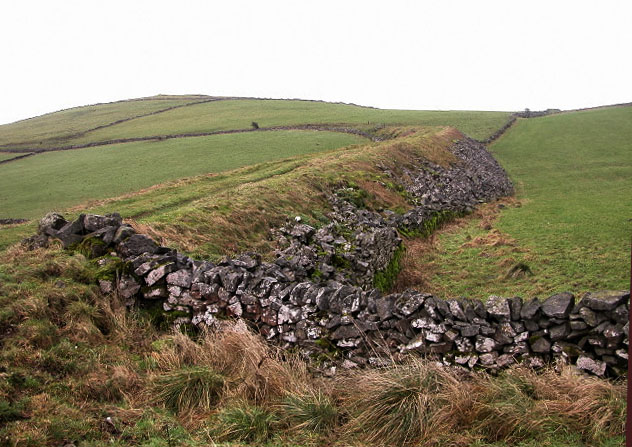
<point x="239" y="114"/>
<point x="573" y="174"/>
<point x="57" y="180"/>
<point x="8" y="155"/>
<point x="54" y="128"/>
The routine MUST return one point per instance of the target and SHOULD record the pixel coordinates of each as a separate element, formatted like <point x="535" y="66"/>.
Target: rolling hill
<point x="77" y="365"/>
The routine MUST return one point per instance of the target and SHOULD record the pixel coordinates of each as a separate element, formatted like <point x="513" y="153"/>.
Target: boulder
<point x="559" y="305"/>
<point x="136" y="245"/>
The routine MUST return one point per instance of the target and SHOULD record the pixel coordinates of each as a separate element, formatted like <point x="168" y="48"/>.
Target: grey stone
<point x="605" y="300"/>
<point x="50" y="223"/>
<point x="470" y="330"/>
<point x="347" y="331"/>
<point x="456" y="310"/>
<point x="106" y="286"/>
<point x="559" y="305"/>
<point x="515" y="305"/>
<point x="530" y="309"/>
<point x="593" y="366"/>
<point x="127" y="287"/>
<point x="409" y="302"/>
<point x="498" y="308"/>
<point x="384" y="308"/>
<point x="135" y="245"/>
<point x="559" y="332"/>
<point x="488" y="359"/>
<point x="122" y="233"/>
<point x="181" y="278"/>
<point x="158" y="273"/>
<point x="484" y="344"/>
<point x="156" y="292"/>
<point x="539" y="344"/>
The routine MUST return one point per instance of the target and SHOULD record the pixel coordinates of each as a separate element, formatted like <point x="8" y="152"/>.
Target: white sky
<point x="444" y="54"/>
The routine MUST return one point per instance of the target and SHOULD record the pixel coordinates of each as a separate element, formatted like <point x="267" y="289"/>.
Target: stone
<point x="463" y="345"/>
<point x="50" y="223"/>
<point x="539" y="344"/>
<point x="70" y="229"/>
<point x="157" y="292"/>
<point x="559" y="332"/>
<point x="456" y="310"/>
<point x="122" y="233"/>
<point x="498" y="308"/>
<point x="158" y="273"/>
<point x="106" y="286"/>
<point x="484" y="344"/>
<point x="504" y="334"/>
<point x="530" y="310"/>
<point x="488" y="359"/>
<point x="347" y="331"/>
<point x="135" y="245"/>
<point x="384" y="308"/>
<point x="234" y="310"/>
<point x="127" y="287"/>
<point x="416" y="344"/>
<point x="470" y="330"/>
<point x="605" y="300"/>
<point x="515" y="306"/>
<point x="180" y="278"/>
<point x="409" y="302"/>
<point x="593" y="366"/>
<point x="591" y="317"/>
<point x="559" y="305"/>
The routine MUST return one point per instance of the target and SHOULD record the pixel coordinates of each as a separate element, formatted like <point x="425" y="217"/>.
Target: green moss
<point x="163" y="320"/>
<point x="353" y="194"/>
<point x="340" y="262"/>
<point x="92" y="247"/>
<point x="430" y="225"/>
<point x="112" y="268"/>
<point x="384" y="279"/>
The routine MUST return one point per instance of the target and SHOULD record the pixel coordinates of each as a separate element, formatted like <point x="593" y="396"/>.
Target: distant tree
<point x="527" y="112"/>
<point x="255" y="125"/>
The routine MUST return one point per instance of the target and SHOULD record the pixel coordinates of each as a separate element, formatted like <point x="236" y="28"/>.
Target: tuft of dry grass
<point x="400" y="405"/>
<point x="254" y="371"/>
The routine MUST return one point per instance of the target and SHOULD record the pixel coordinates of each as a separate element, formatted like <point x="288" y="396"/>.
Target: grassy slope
<point x="57" y="180"/>
<point x="56" y="127"/>
<point x="8" y="155"/>
<point x="573" y="229"/>
<point x="238" y="114"/>
<point x="71" y="357"/>
<point x="209" y="216"/>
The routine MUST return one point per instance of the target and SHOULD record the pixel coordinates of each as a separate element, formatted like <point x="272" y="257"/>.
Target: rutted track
<point x="17" y="158"/>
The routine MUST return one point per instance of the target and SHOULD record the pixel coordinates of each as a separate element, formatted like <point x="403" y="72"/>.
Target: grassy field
<point x="57" y="180"/>
<point x="73" y="357"/>
<point x="238" y="114"/>
<point x="54" y="128"/>
<point x="572" y="230"/>
<point x="7" y="155"/>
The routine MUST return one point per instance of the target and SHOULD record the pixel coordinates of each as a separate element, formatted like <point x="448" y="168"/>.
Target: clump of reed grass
<point x="245" y="423"/>
<point x="311" y="410"/>
<point x="188" y="388"/>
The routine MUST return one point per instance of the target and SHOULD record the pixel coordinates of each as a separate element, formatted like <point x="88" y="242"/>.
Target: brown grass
<point x="255" y="372"/>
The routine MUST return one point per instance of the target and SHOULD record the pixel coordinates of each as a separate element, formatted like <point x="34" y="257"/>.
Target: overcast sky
<point x="444" y="54"/>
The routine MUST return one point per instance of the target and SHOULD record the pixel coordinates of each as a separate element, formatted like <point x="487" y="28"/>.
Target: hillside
<point x="570" y="224"/>
<point x="162" y="148"/>
<point x="107" y="320"/>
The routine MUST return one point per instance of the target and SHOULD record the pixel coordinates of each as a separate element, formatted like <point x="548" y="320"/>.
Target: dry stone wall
<point x="318" y="294"/>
